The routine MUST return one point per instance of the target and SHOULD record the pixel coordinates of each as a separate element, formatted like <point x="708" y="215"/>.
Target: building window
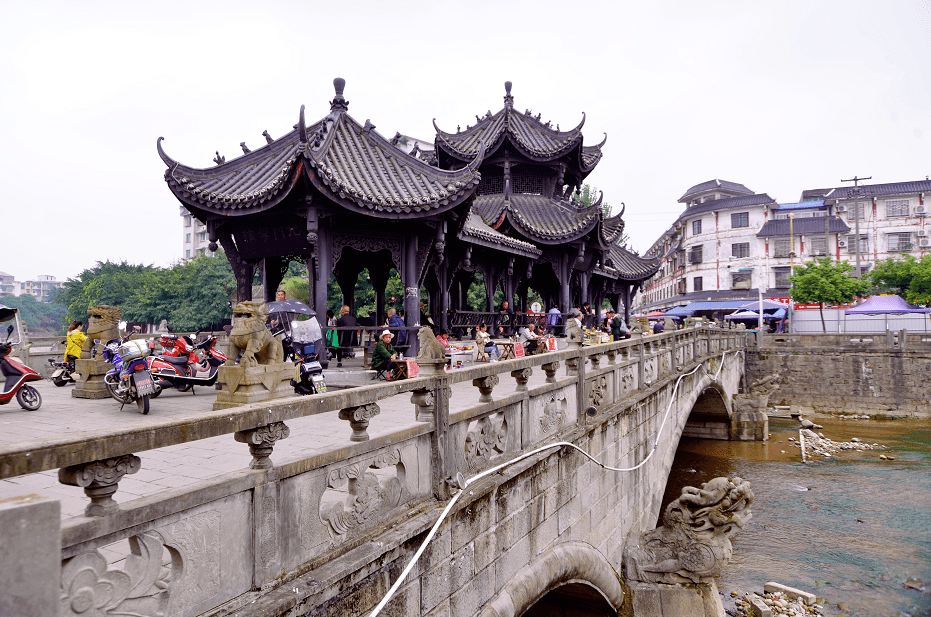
<point x="859" y="209"/>
<point x="817" y="245"/>
<point x="852" y="246"/>
<point x="187" y="253"/>
<point x="696" y="284"/>
<point x="782" y="247"/>
<point x="695" y="255"/>
<point x="681" y="286"/>
<point x="896" y="208"/>
<point x="782" y="278"/>
<point x="900" y="242"/>
<point x="696" y="227"/>
<point x="202" y="236"/>
<point x="187" y="237"/>
<point x="740" y="219"/>
<point x="740" y="249"/>
<point x="492" y="182"/>
<point x="740" y="280"/>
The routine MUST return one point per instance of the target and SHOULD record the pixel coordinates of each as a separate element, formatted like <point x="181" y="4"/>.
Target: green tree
<point x="41" y="318"/>
<point x="909" y="278"/>
<point x="822" y="281"/>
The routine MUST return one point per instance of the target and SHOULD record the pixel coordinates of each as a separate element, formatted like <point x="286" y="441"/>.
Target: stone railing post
<point x="30" y="562"/>
<point x="99" y="479"/>
<point x="550" y="370"/>
<point x="359" y="419"/>
<point x="425" y="405"/>
<point x="596" y="360"/>
<point x="641" y="365"/>
<point x="672" y="352"/>
<point x="441" y="455"/>
<point x="261" y="440"/>
<point x="485" y="385"/>
<point x="612" y="356"/>
<point x="522" y="376"/>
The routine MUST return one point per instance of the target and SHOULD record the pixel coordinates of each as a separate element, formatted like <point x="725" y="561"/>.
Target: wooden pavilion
<point x="495" y="199"/>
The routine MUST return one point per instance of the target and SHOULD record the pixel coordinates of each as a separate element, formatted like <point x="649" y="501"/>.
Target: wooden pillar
<point x="243" y="269"/>
<point x="409" y="277"/>
<point x="565" y="301"/>
<point x="271" y="276"/>
<point x="321" y="276"/>
<point x="379" y="277"/>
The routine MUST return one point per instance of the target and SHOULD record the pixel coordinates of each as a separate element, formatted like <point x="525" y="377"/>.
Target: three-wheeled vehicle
<point x="15" y="373"/>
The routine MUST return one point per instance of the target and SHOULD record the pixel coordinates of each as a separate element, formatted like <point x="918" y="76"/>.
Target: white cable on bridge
<point x="496" y="468"/>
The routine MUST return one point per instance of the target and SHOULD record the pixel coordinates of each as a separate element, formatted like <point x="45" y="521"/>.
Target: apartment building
<point x="194" y="234"/>
<point x="731" y="243"/>
<point x="43" y="288"/>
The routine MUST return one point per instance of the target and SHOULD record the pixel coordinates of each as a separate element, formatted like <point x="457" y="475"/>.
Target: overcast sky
<point x="779" y="96"/>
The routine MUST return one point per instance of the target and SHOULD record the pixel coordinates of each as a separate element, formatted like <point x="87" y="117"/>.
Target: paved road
<point x="181" y="465"/>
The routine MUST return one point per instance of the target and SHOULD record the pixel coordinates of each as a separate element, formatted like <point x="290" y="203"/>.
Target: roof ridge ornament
<point x="268" y="138"/>
<point x="219" y="160"/>
<point x="339" y="103"/>
<point x="508" y="99"/>
<point x="301" y="127"/>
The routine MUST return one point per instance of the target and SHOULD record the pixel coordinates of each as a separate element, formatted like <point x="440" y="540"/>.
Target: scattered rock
<point x="855" y="439"/>
<point x="818" y="444"/>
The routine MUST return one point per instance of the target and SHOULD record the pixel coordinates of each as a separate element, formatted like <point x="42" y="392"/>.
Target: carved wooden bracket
<point x="261" y="441"/>
<point x="99" y="479"/>
<point x="359" y="419"/>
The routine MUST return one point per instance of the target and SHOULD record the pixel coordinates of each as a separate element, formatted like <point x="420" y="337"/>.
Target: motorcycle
<point x="15" y="373"/>
<point x="129" y="380"/>
<point x="308" y="374"/>
<point x="186" y="364"/>
<point x="63" y="373"/>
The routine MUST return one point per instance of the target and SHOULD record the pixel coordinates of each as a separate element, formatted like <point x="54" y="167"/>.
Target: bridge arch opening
<point x="569" y="575"/>
<point x="572" y="599"/>
<point x="710" y="417"/>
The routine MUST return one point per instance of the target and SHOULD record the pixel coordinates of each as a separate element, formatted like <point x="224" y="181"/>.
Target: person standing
<point x="346" y="320"/>
<point x="507" y="319"/>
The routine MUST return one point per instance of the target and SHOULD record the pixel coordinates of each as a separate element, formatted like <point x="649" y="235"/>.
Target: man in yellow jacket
<point x="76" y="340"/>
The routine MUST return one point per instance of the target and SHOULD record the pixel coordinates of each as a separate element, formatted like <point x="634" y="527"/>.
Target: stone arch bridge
<point x="327" y="532"/>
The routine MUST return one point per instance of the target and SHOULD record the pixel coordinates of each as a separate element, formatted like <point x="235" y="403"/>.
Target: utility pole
<point x="857" y="193"/>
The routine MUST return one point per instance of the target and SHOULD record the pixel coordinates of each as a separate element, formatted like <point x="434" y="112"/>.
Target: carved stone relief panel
<point x="601" y="390"/>
<point x="650" y="366"/>
<point x="628" y="381"/>
<point x="362" y="493"/>
<point x="485" y="439"/>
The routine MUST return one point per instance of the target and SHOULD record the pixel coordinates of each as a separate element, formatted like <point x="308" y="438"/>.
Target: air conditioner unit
<point x="841" y="244"/>
<point x="921" y="210"/>
<point x="924" y="242"/>
<point x="922" y="233"/>
<point x="841" y="209"/>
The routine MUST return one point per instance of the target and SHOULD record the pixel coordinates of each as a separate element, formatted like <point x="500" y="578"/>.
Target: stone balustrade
<point x="460" y="422"/>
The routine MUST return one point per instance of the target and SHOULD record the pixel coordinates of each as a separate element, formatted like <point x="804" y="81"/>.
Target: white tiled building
<point x="730" y="243"/>
<point x="194" y="234"/>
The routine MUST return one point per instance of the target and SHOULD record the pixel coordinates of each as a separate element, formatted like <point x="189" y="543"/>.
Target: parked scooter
<point x="129" y="380"/>
<point x="185" y="364"/>
<point x="63" y="373"/>
<point x="16" y="375"/>
<point x="308" y="374"/>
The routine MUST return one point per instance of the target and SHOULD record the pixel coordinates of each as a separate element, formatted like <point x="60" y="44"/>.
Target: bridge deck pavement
<point x="181" y="465"/>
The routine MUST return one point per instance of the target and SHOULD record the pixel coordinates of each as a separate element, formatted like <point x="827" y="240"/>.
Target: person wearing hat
<point x="384" y="355"/>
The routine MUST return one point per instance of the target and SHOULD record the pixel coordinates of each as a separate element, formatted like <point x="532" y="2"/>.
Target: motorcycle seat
<point x="174" y="360"/>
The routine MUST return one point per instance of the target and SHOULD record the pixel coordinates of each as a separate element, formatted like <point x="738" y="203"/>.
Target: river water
<point x="853" y="529"/>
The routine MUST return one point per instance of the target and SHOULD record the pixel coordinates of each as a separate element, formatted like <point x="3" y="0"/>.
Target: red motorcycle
<point x="15" y="373"/>
<point x="185" y="364"/>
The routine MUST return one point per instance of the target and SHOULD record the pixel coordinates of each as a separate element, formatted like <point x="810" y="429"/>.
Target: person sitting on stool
<point x="529" y="338"/>
<point x="384" y="357"/>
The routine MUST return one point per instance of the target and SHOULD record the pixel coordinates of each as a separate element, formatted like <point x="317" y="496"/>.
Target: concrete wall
<point x="888" y="373"/>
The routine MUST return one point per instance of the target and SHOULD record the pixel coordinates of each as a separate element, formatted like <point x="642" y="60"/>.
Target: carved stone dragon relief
<point x="598" y="391"/>
<point x="627" y="380"/>
<point x="487" y="438"/>
<point x="693" y="545"/>
<point x="361" y="493"/>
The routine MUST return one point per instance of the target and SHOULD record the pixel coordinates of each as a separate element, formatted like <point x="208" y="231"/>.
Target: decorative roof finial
<point x="508" y="99"/>
<point x="219" y="160"/>
<point x="339" y="103"/>
<point x="268" y="138"/>
<point x="245" y="148"/>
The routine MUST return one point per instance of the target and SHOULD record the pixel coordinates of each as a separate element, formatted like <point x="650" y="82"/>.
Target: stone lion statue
<point x="103" y="323"/>
<point x="250" y="337"/>
<point x="430" y="348"/>
<point x="574" y="333"/>
<point x="693" y="545"/>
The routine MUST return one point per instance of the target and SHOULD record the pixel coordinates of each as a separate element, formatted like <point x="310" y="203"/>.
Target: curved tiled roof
<point x="540" y="218"/>
<point x="613" y="228"/>
<point x="629" y="266"/>
<point x="711" y="184"/>
<point x="535" y="139"/>
<point x="590" y="155"/>
<point x="728" y="203"/>
<point x="803" y="227"/>
<point x="349" y="162"/>
<point x="474" y="227"/>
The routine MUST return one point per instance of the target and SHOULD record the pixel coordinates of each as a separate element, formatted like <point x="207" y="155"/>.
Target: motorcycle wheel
<point x="29" y="398"/>
<point x="143" y="404"/>
<point x="183" y="387"/>
<point x="126" y="398"/>
<point x="59" y="381"/>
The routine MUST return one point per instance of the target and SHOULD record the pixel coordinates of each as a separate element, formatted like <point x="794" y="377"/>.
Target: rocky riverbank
<point x="818" y="444"/>
<point x="773" y="603"/>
